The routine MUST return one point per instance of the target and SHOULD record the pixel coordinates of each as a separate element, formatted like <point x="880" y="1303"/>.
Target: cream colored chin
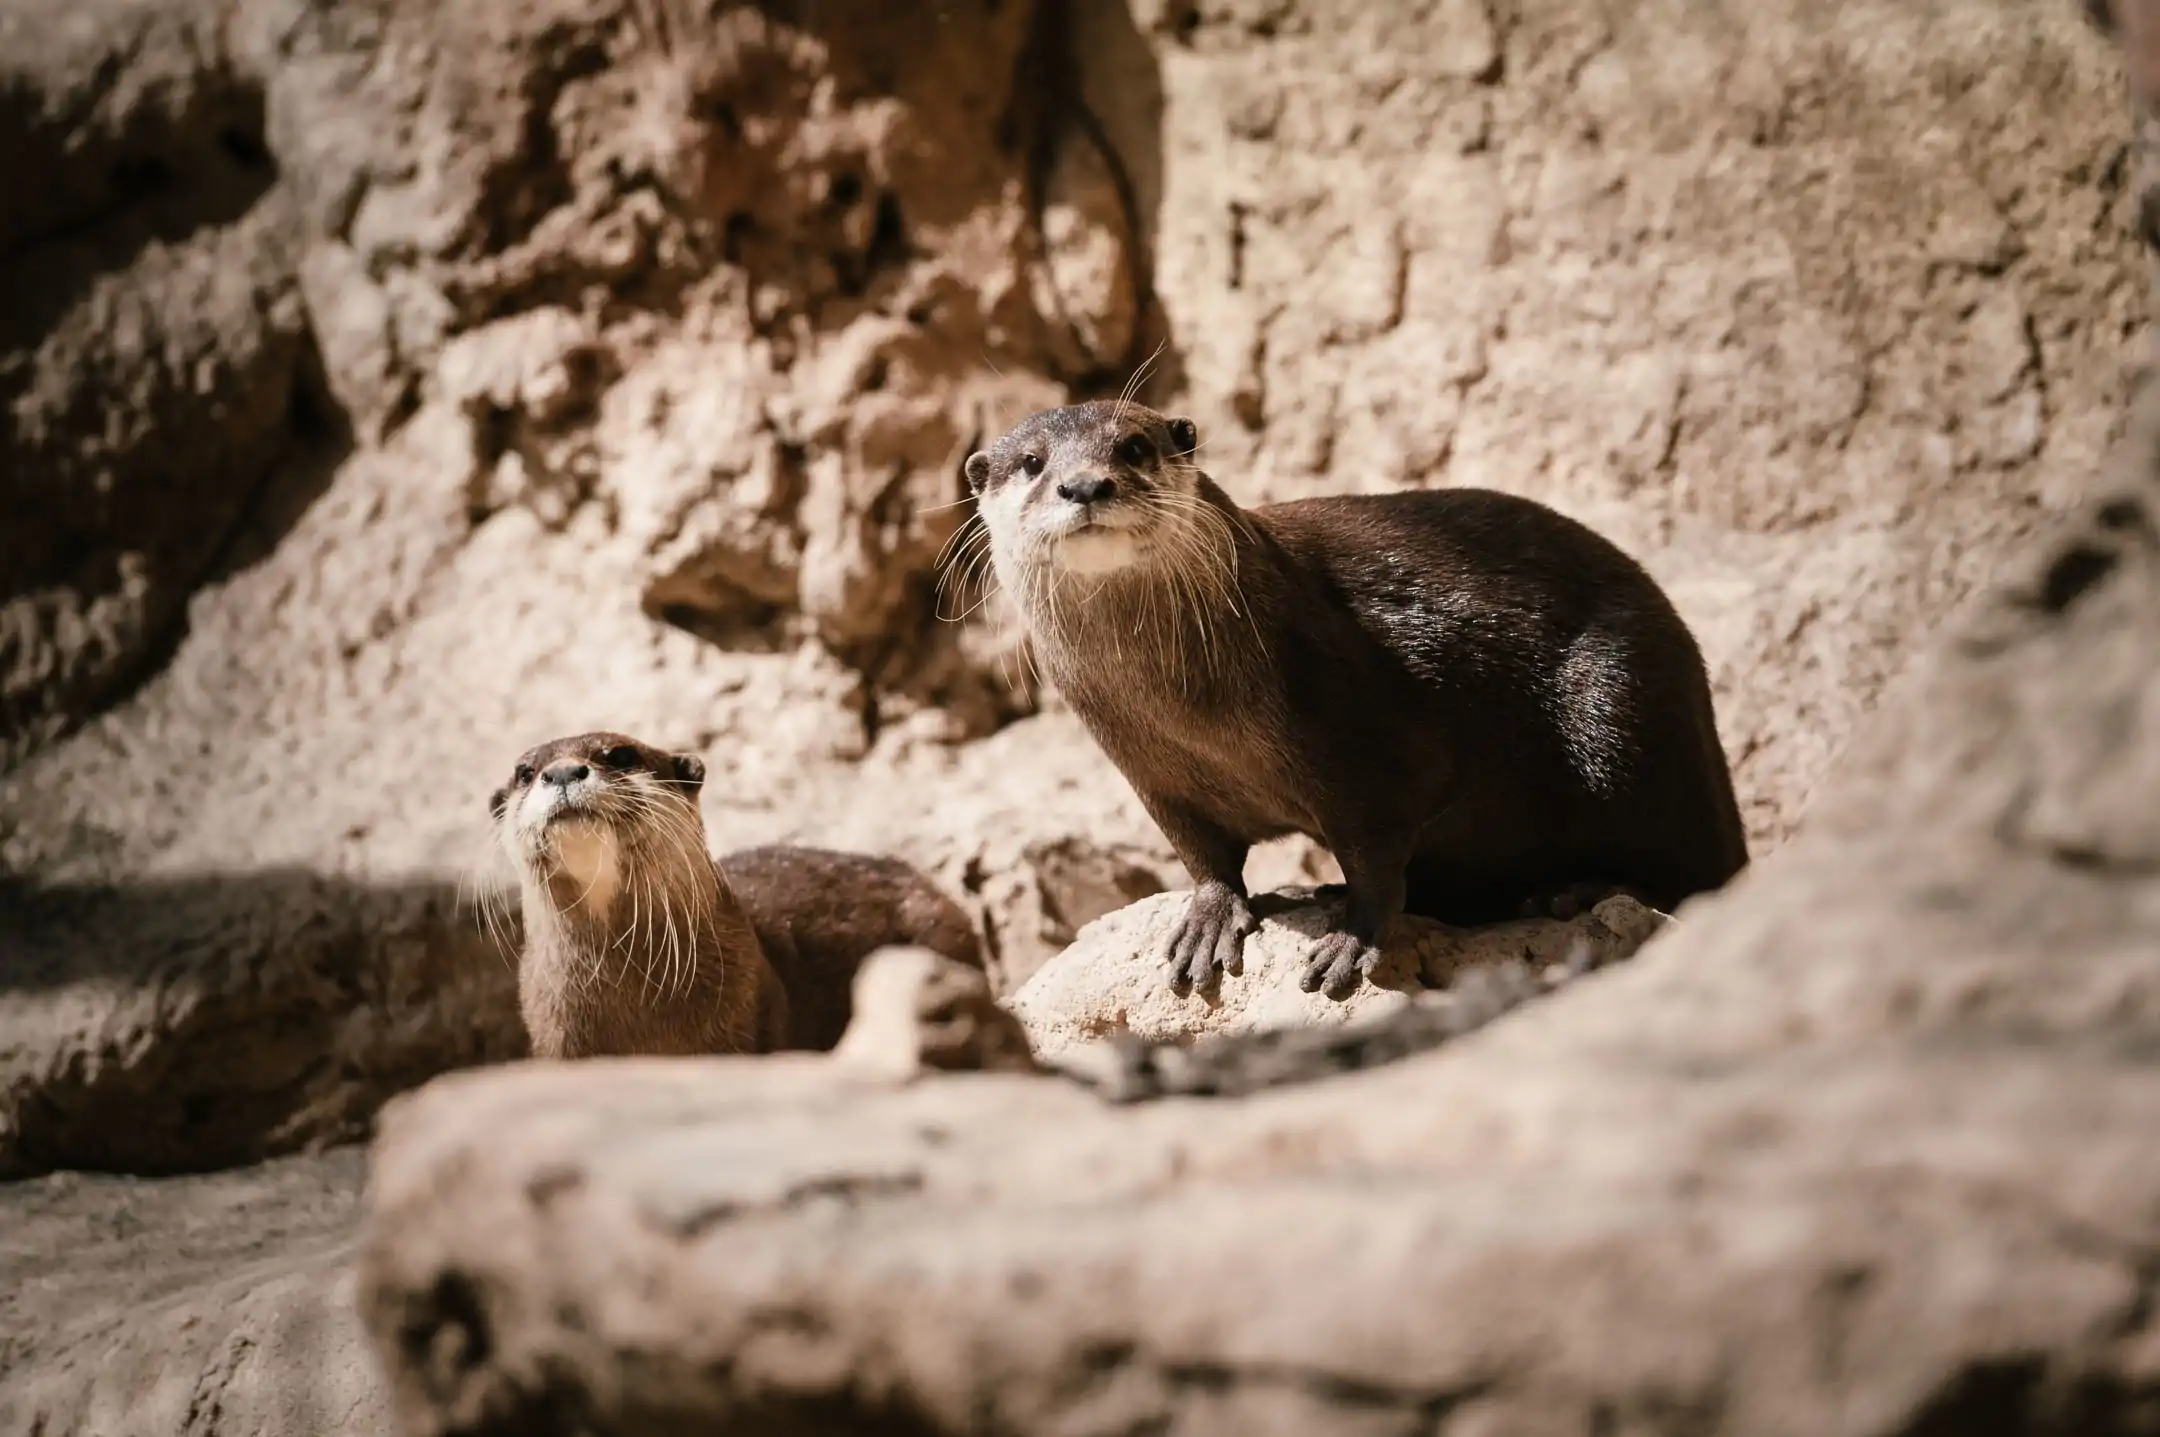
<point x="1098" y="551"/>
<point x="586" y="856"/>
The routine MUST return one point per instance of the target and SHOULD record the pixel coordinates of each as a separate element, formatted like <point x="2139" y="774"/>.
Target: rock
<point x="215" y="1306"/>
<point x="1110" y="981"/>
<point x="916" y="1011"/>
<point x="1234" y="1063"/>
<point x="202" y="1022"/>
<point x="645" y="350"/>
<point x="1076" y="880"/>
<point x="154" y="367"/>
<point x="1862" y="1145"/>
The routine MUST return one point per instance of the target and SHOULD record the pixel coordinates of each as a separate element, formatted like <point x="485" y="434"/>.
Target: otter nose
<point x="563" y="774"/>
<point x="1087" y="488"/>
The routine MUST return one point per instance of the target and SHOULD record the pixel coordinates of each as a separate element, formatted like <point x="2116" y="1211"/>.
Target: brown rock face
<point x="323" y="306"/>
<point x="737" y="279"/>
<point x="194" y="1023"/>
<point x="154" y="358"/>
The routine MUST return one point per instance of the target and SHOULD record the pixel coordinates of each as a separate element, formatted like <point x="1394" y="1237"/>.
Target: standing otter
<point x="1473" y="701"/>
<point x="637" y="941"/>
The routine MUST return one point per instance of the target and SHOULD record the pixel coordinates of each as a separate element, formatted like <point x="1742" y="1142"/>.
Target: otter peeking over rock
<point x="1482" y="707"/>
<point x="637" y="941"/>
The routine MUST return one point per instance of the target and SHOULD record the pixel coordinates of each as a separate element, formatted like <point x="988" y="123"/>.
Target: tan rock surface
<point x="195" y="1021"/>
<point x="656" y="342"/>
<point x="1864" y="1145"/>
<point x="916" y="1011"/>
<point x="1112" y="981"/>
<point x="215" y="1306"/>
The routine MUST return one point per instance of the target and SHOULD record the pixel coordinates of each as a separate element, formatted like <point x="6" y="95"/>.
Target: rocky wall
<point x="436" y="378"/>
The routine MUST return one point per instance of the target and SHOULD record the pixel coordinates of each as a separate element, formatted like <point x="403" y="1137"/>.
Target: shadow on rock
<point x="192" y="1022"/>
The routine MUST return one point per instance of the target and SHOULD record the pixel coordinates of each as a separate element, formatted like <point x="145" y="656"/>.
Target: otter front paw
<point x="1210" y="939"/>
<point x="1339" y="961"/>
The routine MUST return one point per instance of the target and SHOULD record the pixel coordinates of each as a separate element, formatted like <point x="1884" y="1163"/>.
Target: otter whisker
<point x="958" y="536"/>
<point x="1131" y="386"/>
<point x="971" y="543"/>
<point x="489" y="901"/>
<point x="1205" y="544"/>
<point x="976" y="558"/>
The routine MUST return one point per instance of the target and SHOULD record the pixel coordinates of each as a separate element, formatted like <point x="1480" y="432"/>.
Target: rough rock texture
<point x="1862" y="1146"/>
<point x="916" y="1011"/>
<point x="1127" y="1070"/>
<point x="214" y="1306"/>
<point x="153" y="353"/>
<point x="418" y="380"/>
<point x="193" y="1022"/>
<point x="1112" y="980"/>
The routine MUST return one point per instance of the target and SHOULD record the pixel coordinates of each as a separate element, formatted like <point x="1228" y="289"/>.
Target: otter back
<point x="819" y="914"/>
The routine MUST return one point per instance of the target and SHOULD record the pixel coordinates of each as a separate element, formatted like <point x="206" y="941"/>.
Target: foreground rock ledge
<point x="1517" y="1234"/>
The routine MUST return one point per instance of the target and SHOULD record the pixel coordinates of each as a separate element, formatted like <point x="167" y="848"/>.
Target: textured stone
<point x="563" y="373"/>
<point x="916" y="1011"/>
<point x="1862" y="1145"/>
<point x="213" y="1306"/>
<point x="203" y="1021"/>
<point x="154" y="367"/>
<point x="1112" y="980"/>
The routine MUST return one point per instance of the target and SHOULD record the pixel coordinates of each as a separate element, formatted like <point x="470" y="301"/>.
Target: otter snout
<point x="562" y="775"/>
<point x="1085" y="489"/>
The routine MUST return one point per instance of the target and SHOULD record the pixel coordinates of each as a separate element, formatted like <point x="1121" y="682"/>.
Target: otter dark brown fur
<point x="1475" y="702"/>
<point x="638" y="942"/>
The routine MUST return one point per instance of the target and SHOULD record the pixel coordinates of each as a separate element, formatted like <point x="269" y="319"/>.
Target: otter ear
<point x="1184" y="435"/>
<point x="689" y="770"/>
<point x="496" y="802"/>
<point x="977" y="470"/>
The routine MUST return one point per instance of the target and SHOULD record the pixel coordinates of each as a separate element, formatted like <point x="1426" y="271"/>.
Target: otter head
<point x="578" y="811"/>
<point x="1095" y="488"/>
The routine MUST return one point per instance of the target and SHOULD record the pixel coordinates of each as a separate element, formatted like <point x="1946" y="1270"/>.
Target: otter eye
<point x="1031" y="464"/>
<point x="523" y="776"/>
<point x="1135" y="450"/>
<point x="622" y="756"/>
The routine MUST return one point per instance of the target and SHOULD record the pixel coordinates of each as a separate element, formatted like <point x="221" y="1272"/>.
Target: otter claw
<point x="1210" y="939"/>
<point x="1339" y="961"/>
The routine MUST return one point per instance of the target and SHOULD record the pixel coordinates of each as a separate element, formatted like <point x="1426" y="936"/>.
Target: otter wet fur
<point x="637" y="941"/>
<point x="1480" y="706"/>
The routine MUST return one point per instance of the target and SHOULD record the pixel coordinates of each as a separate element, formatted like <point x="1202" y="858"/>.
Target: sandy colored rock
<point x="214" y="1306"/>
<point x="197" y="1022"/>
<point x="155" y="375"/>
<point x="573" y="365"/>
<point x="916" y="1011"/>
<point x="1111" y="981"/>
